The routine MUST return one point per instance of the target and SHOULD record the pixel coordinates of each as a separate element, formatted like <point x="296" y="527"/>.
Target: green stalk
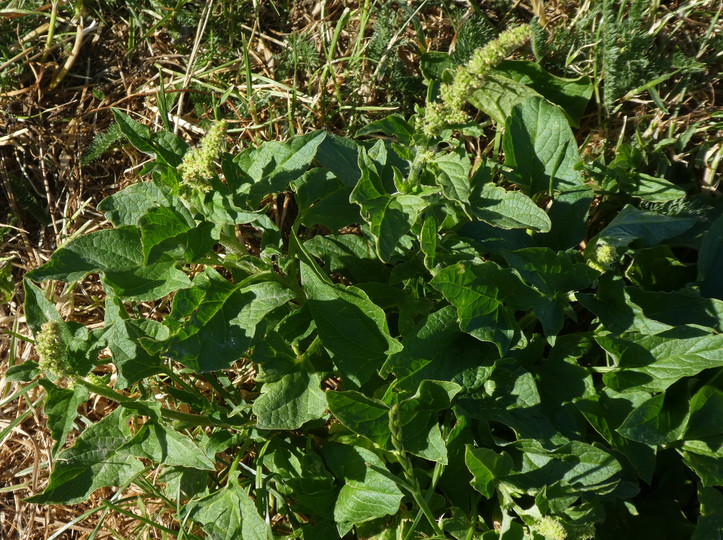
<point x="180" y="382"/>
<point x="249" y="84"/>
<point x="142" y="519"/>
<point x="313" y="347"/>
<point x="231" y="243"/>
<point x="187" y="418"/>
<point x="436" y="475"/>
<point x="218" y="387"/>
<point x="418" y="163"/>
<point x="412" y="484"/>
<point x="51" y="30"/>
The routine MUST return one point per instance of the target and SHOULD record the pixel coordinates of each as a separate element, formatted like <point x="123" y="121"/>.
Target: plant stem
<point x="169" y="414"/>
<point x="231" y="243"/>
<point x="417" y="164"/>
<point x="412" y="484"/>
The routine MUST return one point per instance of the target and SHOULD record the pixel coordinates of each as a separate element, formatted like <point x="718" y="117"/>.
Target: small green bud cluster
<point x="449" y="108"/>
<point x="51" y="349"/>
<point x="551" y="528"/>
<point x="602" y="257"/>
<point x="395" y="428"/>
<point x="198" y="163"/>
<point x="95" y="379"/>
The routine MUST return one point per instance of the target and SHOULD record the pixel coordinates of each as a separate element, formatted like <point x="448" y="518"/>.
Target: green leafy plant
<point x="382" y="337"/>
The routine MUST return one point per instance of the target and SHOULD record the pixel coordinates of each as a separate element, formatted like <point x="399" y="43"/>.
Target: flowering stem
<point x="467" y="78"/>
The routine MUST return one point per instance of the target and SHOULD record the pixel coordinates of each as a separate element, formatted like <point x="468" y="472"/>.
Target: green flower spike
<point x="198" y="163"/>
<point x="467" y="78"/>
<point x="551" y="528"/>
<point x="603" y="257"/>
<point x="51" y="349"/>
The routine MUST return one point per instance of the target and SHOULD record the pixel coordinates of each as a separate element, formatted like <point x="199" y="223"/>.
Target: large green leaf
<point x="324" y="200"/>
<point x="291" y="401"/>
<point x="128" y="206"/>
<point x="679" y="307"/>
<point x="147" y="283"/>
<point x="168" y="447"/>
<point x="366" y="494"/>
<point x="710" y="522"/>
<point x="222" y="323"/>
<point x="118" y="254"/>
<point x="561" y="380"/>
<point x="275" y="358"/>
<point x="705" y="458"/>
<point x="393" y="125"/>
<point x="229" y="514"/>
<point x="113" y="249"/>
<point x="300" y="474"/>
<point x="706" y="408"/>
<point x="616" y="311"/>
<point x="574" y="467"/>
<point x="606" y="411"/>
<point x="497" y="96"/>
<point x="658" y="269"/>
<point x="510" y="396"/>
<point x="137" y="134"/>
<point x="652" y="363"/>
<point x="96" y="460"/>
<point x="541" y="149"/>
<point x="61" y="408"/>
<point x="486" y="297"/>
<point x="643" y="228"/>
<point x="508" y="209"/>
<point x="568" y="215"/>
<point x="131" y="360"/>
<point x="341" y="156"/>
<point x="257" y="172"/>
<point x="649" y="188"/>
<point x="495" y="240"/>
<point x="350" y="255"/>
<point x="553" y="274"/>
<point x="169" y="148"/>
<point x="436" y="349"/>
<point x="487" y="467"/>
<point x="418" y="418"/>
<point x="274" y="165"/>
<point x="390" y="216"/>
<point x="166" y="234"/>
<point x="365" y="416"/>
<point x="662" y="419"/>
<point x="452" y="174"/>
<point x="572" y="95"/>
<point x="352" y="329"/>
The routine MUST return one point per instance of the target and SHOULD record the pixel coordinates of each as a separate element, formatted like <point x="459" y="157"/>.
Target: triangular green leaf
<point x="96" y="460"/>
<point x="352" y="329"/>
